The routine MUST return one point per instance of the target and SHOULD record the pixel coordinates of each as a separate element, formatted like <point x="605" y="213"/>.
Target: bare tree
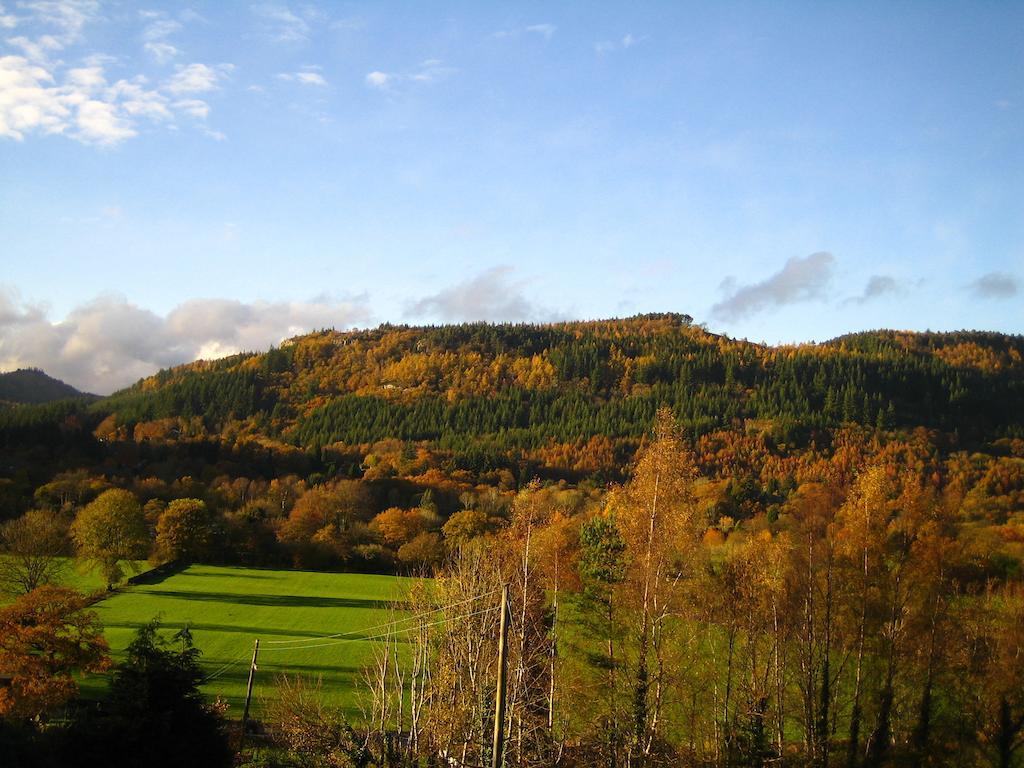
<point x="32" y="551"/>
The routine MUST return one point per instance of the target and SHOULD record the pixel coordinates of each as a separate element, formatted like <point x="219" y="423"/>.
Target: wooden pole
<point x="498" y="744"/>
<point x="248" y="693"/>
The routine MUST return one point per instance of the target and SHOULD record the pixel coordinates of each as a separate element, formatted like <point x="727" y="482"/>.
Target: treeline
<point x="399" y="505"/>
<point x="857" y="630"/>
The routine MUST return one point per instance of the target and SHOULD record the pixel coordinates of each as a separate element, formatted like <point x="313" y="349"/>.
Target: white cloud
<point x="626" y="41"/>
<point x="197" y="78"/>
<point x="162" y="52"/>
<point x="431" y="70"/>
<point x="44" y="95"/>
<point x="378" y="79"/>
<point x="99" y="122"/>
<point x="109" y="343"/>
<point x="160" y="28"/>
<point x="7" y="20"/>
<point x="27" y="100"/>
<point x="547" y="31"/>
<point x="36" y="50"/>
<point x="799" y="280"/>
<point x="67" y="17"/>
<point x="84" y="106"/>
<point x="308" y="76"/>
<point x="428" y="71"/>
<point x="196" y="108"/>
<point x="491" y="295"/>
<point x="155" y="34"/>
<point x="138" y="101"/>
<point x="281" y="24"/>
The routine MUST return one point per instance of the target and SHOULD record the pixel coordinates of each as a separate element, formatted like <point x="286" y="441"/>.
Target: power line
<point x="382" y="636"/>
<point x="407" y="619"/>
<point x="222" y="669"/>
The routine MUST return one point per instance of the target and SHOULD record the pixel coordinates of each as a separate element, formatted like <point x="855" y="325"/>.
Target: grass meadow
<point x="226" y="609"/>
<point x="84" y="580"/>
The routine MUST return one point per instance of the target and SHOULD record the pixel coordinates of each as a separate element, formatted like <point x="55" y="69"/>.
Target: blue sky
<point x="182" y="180"/>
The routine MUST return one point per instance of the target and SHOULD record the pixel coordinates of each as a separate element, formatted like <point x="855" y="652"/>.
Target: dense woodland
<point x="719" y="553"/>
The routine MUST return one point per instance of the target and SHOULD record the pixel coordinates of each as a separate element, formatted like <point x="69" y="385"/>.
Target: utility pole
<point x="498" y="744"/>
<point x="248" y="693"/>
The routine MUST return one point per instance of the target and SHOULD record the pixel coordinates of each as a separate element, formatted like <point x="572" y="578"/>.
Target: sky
<point x="190" y="180"/>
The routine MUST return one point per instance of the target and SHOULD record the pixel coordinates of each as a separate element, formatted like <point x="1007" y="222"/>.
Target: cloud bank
<point x="800" y="280"/>
<point x="491" y="295"/>
<point x="109" y="343"/>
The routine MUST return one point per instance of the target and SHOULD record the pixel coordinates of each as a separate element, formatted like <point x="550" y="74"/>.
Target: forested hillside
<point x="527" y="385"/>
<point x="451" y="414"/>
<point x="28" y="385"/>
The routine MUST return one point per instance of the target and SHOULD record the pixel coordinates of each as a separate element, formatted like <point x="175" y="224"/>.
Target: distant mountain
<point x="32" y="386"/>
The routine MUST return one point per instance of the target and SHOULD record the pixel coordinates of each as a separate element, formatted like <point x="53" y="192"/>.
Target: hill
<point x="31" y="385"/>
<point x="450" y="408"/>
<point x="525" y="385"/>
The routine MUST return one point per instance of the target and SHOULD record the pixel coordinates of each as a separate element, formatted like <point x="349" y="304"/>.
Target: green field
<point x="85" y="581"/>
<point x="226" y="609"/>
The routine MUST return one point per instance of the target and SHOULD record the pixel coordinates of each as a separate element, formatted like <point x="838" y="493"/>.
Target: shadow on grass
<point x="274" y="601"/>
<point x="232" y="573"/>
<point x="327" y="671"/>
<point x="261" y="632"/>
<point x="157" y="574"/>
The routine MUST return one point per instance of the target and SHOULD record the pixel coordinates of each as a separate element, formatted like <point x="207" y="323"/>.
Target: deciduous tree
<point x="46" y="637"/>
<point x="31" y="551"/>
<point x="110" y="530"/>
<point x="183" y="531"/>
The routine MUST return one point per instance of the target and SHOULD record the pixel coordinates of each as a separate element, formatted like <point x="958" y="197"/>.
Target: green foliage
<point x="602" y="562"/>
<point x="156" y="715"/>
<point x="183" y="530"/>
<point x="109" y="530"/>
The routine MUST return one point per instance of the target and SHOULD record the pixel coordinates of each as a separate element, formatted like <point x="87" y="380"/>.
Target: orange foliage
<point x="45" y="637"/>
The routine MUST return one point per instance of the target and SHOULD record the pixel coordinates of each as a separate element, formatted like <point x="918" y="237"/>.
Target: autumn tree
<point x="69" y="489"/>
<point x="183" y="531"/>
<point x="529" y="686"/>
<point x="813" y="574"/>
<point x="32" y="550"/>
<point x="464" y="526"/>
<point x="424" y="551"/>
<point x="657" y="516"/>
<point x="992" y="677"/>
<point x="47" y="637"/>
<point x="320" y="526"/>
<point x="862" y="526"/>
<point x="110" y="530"/>
<point x="397" y="526"/>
